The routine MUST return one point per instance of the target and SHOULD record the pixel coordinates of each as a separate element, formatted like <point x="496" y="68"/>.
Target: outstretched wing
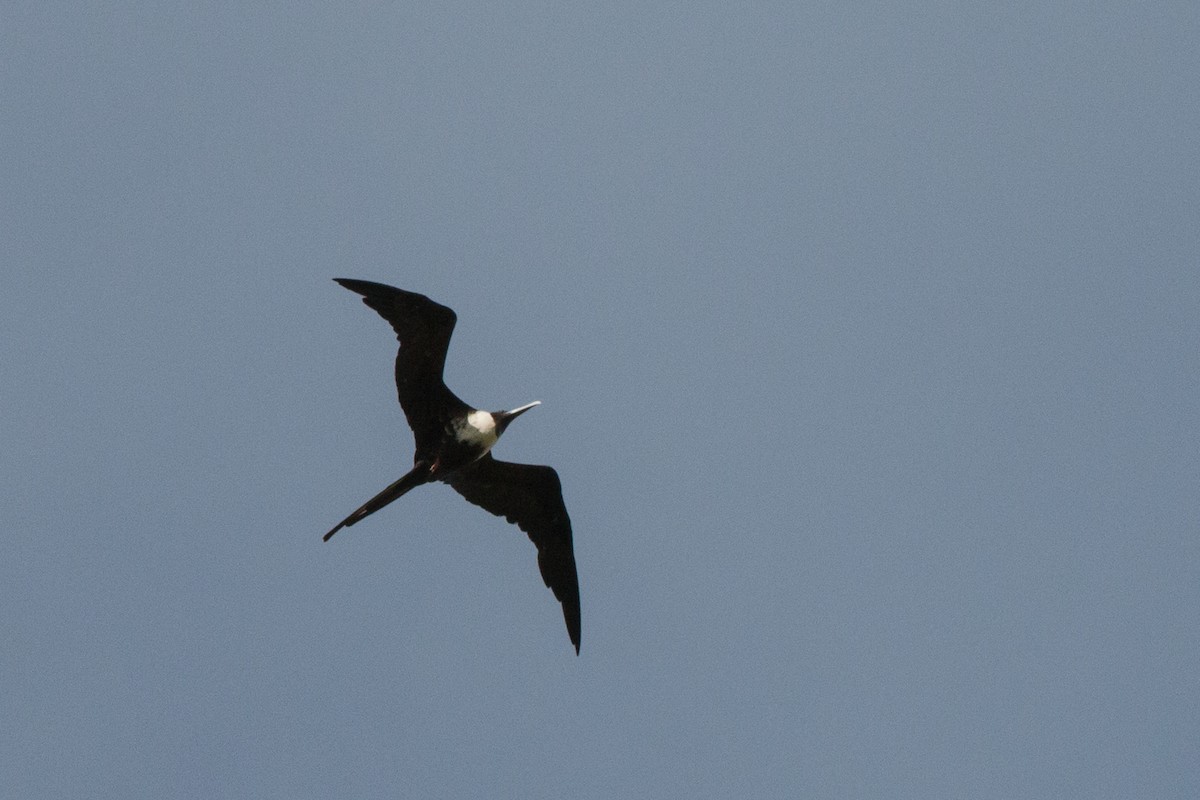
<point x="530" y="496"/>
<point x="423" y="328"/>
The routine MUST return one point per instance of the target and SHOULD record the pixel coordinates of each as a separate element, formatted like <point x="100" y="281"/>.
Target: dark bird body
<point x="454" y="442"/>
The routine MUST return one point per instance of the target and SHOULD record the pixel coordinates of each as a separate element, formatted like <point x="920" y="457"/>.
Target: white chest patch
<point x="479" y="430"/>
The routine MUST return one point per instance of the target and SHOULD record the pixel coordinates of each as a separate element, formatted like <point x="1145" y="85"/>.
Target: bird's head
<point x="504" y="417"/>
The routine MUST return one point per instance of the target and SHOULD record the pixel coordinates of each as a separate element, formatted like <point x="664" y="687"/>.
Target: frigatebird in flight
<point x="454" y="442"/>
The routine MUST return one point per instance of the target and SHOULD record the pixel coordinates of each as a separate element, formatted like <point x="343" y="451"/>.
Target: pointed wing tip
<point x="574" y="628"/>
<point x="353" y="284"/>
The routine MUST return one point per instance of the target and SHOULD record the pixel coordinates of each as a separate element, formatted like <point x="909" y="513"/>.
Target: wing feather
<point x="423" y="328"/>
<point x="530" y="496"/>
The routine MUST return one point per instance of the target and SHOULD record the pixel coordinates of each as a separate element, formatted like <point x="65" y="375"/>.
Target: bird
<point x="453" y="443"/>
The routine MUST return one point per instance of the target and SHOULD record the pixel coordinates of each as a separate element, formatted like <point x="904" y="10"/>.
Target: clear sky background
<point x="868" y="340"/>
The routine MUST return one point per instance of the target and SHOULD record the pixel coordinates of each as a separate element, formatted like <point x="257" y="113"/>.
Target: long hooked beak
<point x="505" y="417"/>
<point x="516" y="412"/>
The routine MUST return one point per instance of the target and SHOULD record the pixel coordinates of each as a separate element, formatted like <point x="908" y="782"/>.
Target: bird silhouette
<point x="454" y="442"/>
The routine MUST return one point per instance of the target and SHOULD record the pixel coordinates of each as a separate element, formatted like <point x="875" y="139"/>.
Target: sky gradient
<point x="867" y="344"/>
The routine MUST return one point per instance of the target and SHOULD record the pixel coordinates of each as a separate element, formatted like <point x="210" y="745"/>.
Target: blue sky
<point x="867" y="344"/>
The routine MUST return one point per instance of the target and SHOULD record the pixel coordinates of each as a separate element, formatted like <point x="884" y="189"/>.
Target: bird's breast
<point x="477" y="430"/>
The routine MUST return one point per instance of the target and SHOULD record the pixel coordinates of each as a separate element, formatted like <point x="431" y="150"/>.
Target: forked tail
<point x="418" y="476"/>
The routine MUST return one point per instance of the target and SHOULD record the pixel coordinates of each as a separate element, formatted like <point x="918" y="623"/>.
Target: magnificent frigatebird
<point x="454" y="442"/>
